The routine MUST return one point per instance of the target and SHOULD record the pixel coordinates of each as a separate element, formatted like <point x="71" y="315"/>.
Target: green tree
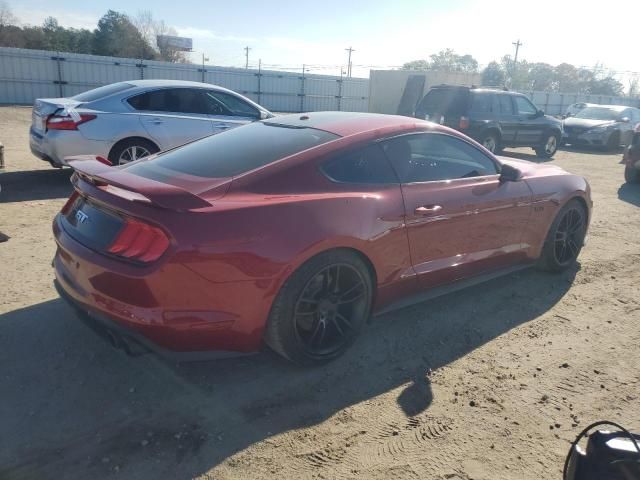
<point x="416" y="65"/>
<point x="493" y="75"/>
<point x="449" y="61"/>
<point x="117" y="36"/>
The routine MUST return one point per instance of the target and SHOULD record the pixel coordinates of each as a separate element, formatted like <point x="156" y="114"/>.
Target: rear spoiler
<point x="133" y="187"/>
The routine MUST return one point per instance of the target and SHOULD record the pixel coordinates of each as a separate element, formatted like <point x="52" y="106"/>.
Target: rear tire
<point x="550" y="146"/>
<point x="631" y="175"/>
<point x="565" y="238"/>
<point x="131" y="149"/>
<point x="491" y="142"/>
<point x="321" y="308"/>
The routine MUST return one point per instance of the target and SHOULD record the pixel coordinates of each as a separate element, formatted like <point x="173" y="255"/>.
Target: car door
<point x="531" y="124"/>
<point x="503" y="106"/>
<point x="172" y="116"/>
<point x="461" y="219"/>
<point x="229" y="111"/>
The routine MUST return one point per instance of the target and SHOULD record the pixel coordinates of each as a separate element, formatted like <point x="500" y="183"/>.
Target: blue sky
<point x="383" y="33"/>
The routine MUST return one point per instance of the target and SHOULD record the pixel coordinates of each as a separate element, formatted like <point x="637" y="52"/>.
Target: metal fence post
<point x="340" y="81"/>
<point x="259" y="74"/>
<point x="60" y="82"/>
<point x="141" y="66"/>
<point x="302" y="89"/>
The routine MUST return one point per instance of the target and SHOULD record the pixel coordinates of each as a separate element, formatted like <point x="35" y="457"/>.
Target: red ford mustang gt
<point x="294" y="230"/>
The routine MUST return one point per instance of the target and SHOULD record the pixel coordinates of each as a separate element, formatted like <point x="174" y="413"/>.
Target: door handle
<point x="157" y="121"/>
<point x="428" y="209"/>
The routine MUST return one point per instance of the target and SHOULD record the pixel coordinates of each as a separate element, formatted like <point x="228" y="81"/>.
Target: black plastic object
<point x="608" y="456"/>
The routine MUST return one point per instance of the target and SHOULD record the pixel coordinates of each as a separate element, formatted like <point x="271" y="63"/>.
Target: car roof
<point x="168" y="83"/>
<point x="617" y="108"/>
<point x="349" y="123"/>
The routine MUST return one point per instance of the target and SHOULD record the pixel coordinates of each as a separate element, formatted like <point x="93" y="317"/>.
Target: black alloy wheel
<point x="325" y="309"/>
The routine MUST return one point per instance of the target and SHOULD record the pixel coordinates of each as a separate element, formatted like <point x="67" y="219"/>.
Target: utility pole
<point x="350" y="50"/>
<point x="517" y="44"/>
<point x="246" y="53"/>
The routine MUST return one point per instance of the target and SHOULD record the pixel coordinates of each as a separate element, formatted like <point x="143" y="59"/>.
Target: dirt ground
<point x="487" y="383"/>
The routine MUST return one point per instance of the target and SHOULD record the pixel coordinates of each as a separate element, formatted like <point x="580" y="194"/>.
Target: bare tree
<point x="6" y="15"/>
<point x="150" y="28"/>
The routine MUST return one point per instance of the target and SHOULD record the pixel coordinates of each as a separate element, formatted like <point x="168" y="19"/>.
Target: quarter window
<point x="364" y="165"/>
<point x="436" y="157"/>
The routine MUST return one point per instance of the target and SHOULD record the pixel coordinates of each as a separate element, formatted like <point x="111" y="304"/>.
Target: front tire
<point x="321" y="309"/>
<point x="613" y="144"/>
<point x="631" y="175"/>
<point x="549" y="147"/>
<point x="565" y="238"/>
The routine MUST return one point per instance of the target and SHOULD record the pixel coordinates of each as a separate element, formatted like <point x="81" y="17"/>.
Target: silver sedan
<point x="125" y="121"/>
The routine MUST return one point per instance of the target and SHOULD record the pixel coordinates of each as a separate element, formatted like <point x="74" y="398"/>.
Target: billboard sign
<point x="183" y="44"/>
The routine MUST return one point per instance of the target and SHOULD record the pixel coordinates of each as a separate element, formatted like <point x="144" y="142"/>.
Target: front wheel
<point x="565" y="238"/>
<point x="321" y="308"/>
<point x="613" y="144"/>
<point x="549" y="147"/>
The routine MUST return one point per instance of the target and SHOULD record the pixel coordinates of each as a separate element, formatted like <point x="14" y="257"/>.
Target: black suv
<point x="495" y="118"/>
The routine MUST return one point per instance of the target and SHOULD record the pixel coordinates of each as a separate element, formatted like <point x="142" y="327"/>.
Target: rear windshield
<point x="101" y="92"/>
<point x="445" y="101"/>
<point x="233" y="152"/>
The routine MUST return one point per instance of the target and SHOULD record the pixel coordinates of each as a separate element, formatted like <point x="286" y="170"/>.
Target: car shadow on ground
<point x="590" y="151"/>
<point x="630" y="193"/>
<point x="72" y="407"/>
<point x="35" y="185"/>
<point x="520" y="155"/>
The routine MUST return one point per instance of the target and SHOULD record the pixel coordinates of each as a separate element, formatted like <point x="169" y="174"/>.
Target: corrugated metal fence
<point x="29" y="74"/>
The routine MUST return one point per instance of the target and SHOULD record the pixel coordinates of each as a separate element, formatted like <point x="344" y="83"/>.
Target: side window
<point x="524" y="106"/>
<point x="506" y="106"/>
<point x="482" y="103"/>
<point x="234" y="104"/>
<point x="434" y="157"/>
<point x="364" y="165"/>
<point x="180" y="100"/>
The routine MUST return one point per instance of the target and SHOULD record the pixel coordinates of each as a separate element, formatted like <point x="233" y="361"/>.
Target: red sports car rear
<point x="292" y="231"/>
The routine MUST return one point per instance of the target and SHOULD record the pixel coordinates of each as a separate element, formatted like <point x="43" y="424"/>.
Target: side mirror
<point x="625" y="119"/>
<point x="509" y="173"/>
<point x="540" y="113"/>
<point x="264" y="115"/>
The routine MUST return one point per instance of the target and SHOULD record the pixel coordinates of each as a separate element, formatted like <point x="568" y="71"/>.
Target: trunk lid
<point x="45" y="107"/>
<point x="184" y="193"/>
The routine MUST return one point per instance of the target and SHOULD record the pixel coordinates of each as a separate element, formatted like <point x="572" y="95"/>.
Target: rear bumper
<point x="171" y="309"/>
<point x="131" y="342"/>
<point x="55" y="146"/>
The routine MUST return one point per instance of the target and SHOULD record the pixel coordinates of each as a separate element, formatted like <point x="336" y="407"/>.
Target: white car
<point x="125" y="121"/>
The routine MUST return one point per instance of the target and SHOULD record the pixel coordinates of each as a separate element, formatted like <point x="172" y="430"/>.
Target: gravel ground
<point x="487" y="383"/>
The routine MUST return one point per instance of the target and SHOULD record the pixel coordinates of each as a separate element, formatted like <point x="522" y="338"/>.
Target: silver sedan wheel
<point x="551" y="146"/>
<point x="133" y="153"/>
